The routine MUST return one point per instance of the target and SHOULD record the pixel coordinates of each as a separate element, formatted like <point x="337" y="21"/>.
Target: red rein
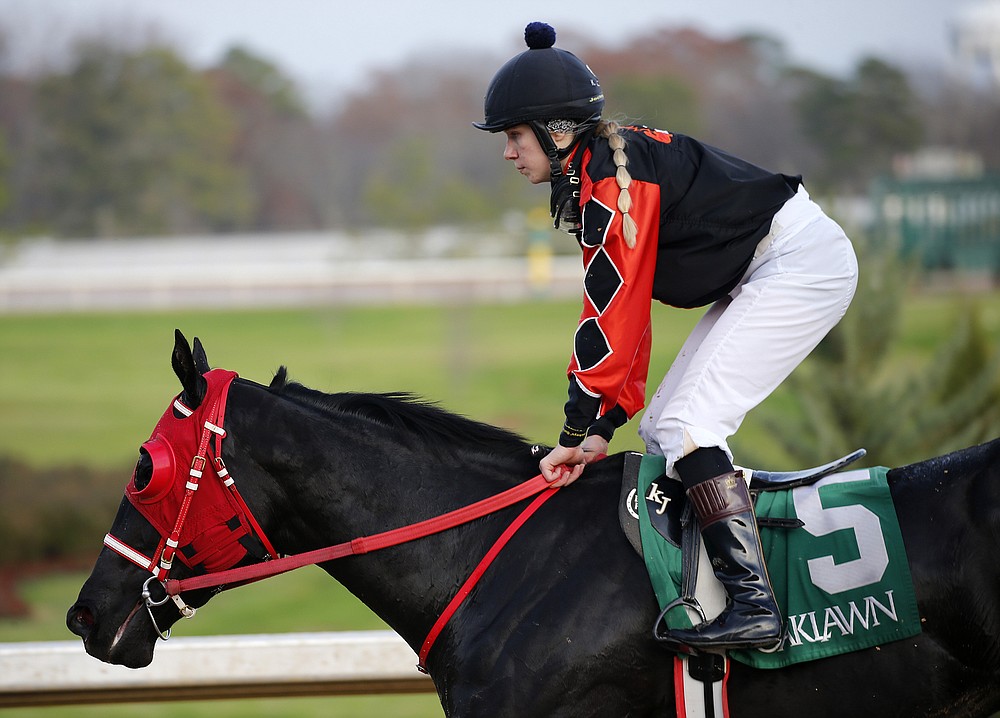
<point x="171" y="433"/>
<point x="376" y="542"/>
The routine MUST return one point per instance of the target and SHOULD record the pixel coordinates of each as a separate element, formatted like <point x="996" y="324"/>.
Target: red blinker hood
<point x="211" y="531"/>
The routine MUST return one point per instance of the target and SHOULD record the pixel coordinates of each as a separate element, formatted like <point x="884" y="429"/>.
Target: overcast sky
<point x="330" y="45"/>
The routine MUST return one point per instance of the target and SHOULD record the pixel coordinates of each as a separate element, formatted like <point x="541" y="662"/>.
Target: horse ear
<point x="280" y="378"/>
<point x="200" y="358"/>
<point x="183" y="362"/>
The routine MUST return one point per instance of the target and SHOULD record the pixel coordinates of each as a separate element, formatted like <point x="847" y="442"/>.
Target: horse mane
<point x="407" y="415"/>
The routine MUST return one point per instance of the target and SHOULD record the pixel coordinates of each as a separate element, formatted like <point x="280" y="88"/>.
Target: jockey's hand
<point x="594" y="447"/>
<point x="563" y="465"/>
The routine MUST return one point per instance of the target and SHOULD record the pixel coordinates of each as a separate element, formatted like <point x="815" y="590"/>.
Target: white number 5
<point x="874" y="558"/>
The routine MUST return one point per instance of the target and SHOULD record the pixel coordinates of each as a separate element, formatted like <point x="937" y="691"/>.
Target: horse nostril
<point x="80" y="620"/>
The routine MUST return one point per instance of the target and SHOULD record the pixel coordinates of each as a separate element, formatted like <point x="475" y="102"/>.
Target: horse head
<point x="160" y="529"/>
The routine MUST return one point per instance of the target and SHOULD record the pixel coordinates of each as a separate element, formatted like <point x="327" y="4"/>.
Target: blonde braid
<point x="616" y="142"/>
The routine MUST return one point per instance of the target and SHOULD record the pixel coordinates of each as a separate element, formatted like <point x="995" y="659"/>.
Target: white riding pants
<point x="797" y="288"/>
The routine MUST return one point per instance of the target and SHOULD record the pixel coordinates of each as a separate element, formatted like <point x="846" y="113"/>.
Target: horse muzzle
<point x="130" y="643"/>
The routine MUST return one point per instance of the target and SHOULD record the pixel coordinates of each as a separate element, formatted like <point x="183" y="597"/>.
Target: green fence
<point x="948" y="224"/>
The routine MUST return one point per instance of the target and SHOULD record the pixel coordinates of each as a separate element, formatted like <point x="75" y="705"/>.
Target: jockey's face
<point x="524" y="150"/>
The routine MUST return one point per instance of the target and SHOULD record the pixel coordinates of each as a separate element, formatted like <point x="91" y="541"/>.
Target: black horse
<point x="560" y="624"/>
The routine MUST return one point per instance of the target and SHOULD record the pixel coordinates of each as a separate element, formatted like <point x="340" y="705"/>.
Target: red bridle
<point x="213" y="526"/>
<point x="208" y="460"/>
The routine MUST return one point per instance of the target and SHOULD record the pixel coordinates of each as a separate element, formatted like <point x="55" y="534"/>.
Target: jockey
<point x="662" y="216"/>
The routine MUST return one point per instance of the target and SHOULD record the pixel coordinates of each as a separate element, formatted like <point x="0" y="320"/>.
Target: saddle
<point x="833" y="547"/>
<point x="828" y="617"/>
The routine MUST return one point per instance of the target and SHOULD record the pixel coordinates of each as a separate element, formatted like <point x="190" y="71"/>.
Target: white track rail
<point x="195" y="668"/>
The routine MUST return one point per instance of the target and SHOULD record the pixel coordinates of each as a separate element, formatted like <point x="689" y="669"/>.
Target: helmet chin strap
<point x="565" y="194"/>
<point x="554" y="154"/>
<point x="581" y="131"/>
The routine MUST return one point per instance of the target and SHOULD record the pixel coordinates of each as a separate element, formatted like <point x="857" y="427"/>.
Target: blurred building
<point x="947" y="223"/>
<point x="976" y="41"/>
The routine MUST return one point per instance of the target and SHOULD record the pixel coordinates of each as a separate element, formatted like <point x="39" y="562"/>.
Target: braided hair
<point x="610" y="130"/>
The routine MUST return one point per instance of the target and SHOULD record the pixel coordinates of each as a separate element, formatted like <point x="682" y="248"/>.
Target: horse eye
<point x="143" y="470"/>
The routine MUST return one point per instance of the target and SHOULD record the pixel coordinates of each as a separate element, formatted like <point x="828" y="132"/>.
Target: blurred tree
<point x="891" y="110"/>
<point x="964" y="118"/>
<point x="406" y="154"/>
<point x="655" y="100"/>
<point x="850" y="394"/>
<point x="727" y="92"/>
<point x="400" y="192"/>
<point x="276" y="144"/>
<point x="824" y="108"/>
<point x="858" y="125"/>
<point x="266" y="79"/>
<point x="410" y="190"/>
<point x="5" y="165"/>
<point x="52" y="513"/>
<point x="127" y="141"/>
<point x="49" y="517"/>
<point x="137" y="143"/>
<point x="750" y="110"/>
<point x="24" y="174"/>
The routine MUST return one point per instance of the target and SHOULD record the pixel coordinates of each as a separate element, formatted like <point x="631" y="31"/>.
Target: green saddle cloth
<point x="842" y="580"/>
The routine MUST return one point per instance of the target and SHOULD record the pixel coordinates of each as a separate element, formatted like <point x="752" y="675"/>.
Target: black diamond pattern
<point x="590" y="345"/>
<point x="602" y="281"/>
<point x="596" y="220"/>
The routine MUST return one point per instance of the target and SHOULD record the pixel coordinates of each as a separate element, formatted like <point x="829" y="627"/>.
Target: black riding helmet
<point x="542" y="83"/>
<point x="539" y="85"/>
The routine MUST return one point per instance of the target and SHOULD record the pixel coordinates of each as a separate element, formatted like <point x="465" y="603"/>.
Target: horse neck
<point x="408" y="585"/>
<point x="327" y="483"/>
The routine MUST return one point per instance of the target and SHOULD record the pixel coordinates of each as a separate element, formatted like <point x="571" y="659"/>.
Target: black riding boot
<point x="725" y="513"/>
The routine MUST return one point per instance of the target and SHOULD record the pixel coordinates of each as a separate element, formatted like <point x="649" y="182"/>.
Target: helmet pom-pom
<point x="539" y="35"/>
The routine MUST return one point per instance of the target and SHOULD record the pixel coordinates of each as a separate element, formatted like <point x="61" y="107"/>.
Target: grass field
<point x="87" y="389"/>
